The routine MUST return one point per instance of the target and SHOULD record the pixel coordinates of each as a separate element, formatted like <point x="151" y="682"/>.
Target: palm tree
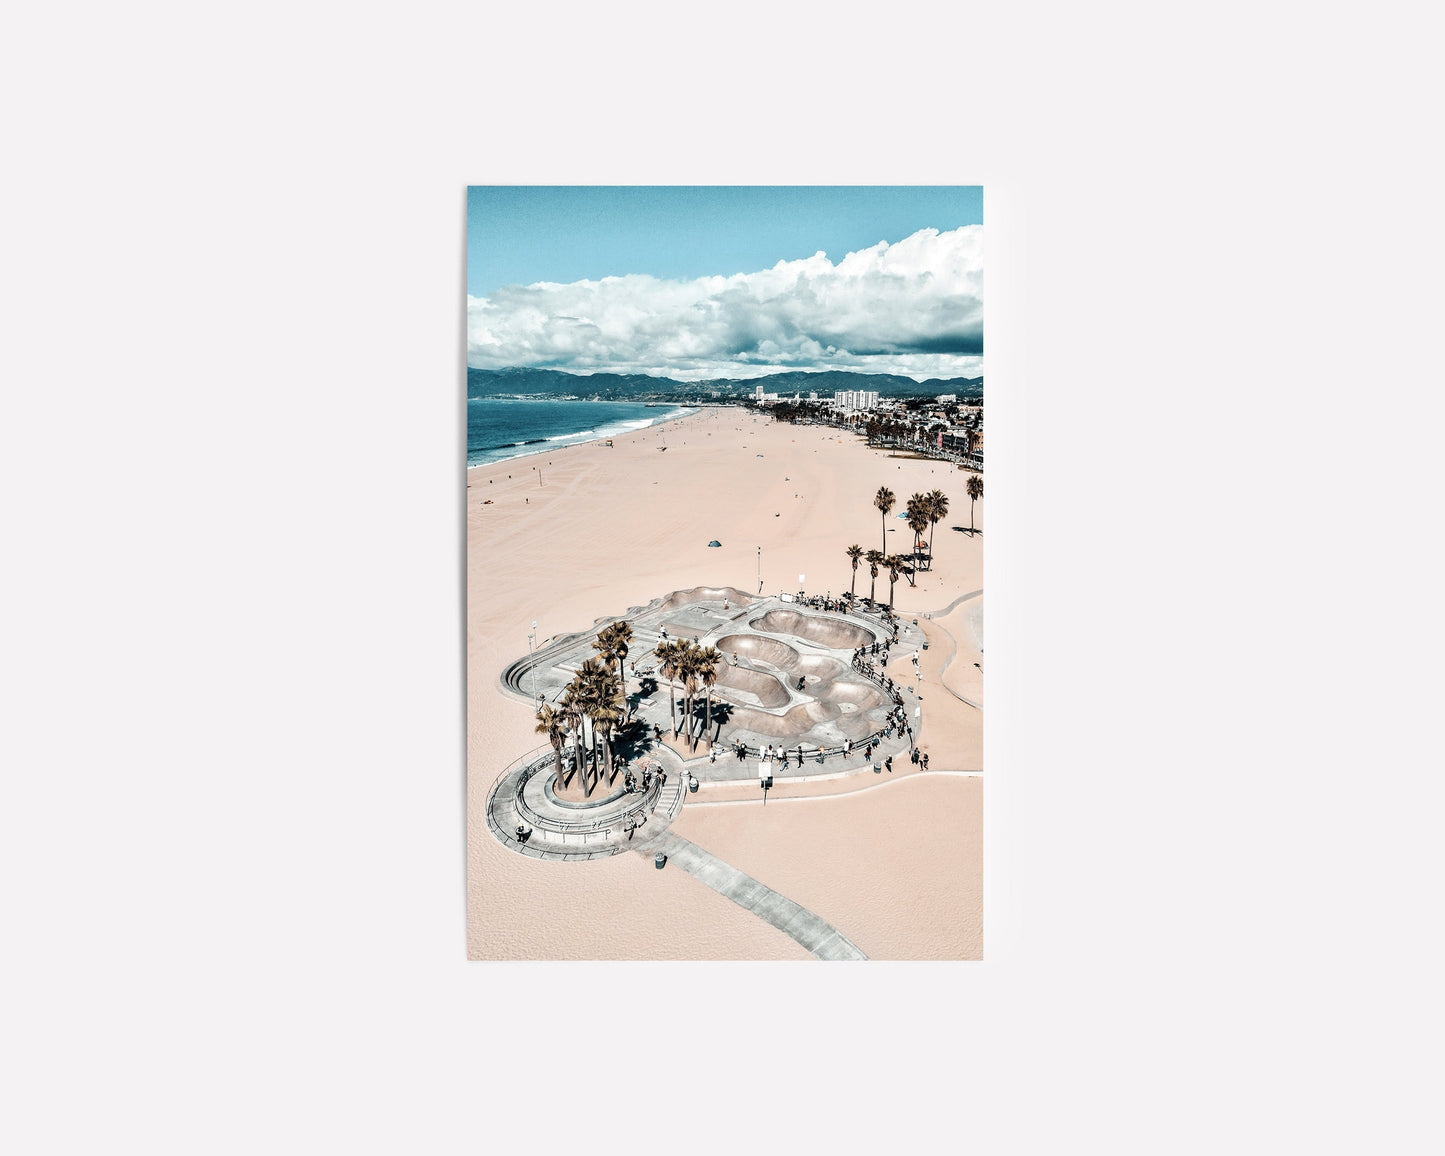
<point x="917" y="522"/>
<point x="855" y="553"/>
<point x="606" y="713"/>
<point x="595" y="690"/>
<point x="917" y="510"/>
<point x="689" y="669"/>
<point x="612" y="645"/>
<point x="708" y="660"/>
<point x="603" y="704"/>
<point x="553" y="724"/>
<point x="875" y="557"/>
<point x="975" y="491"/>
<point x="937" y="511"/>
<point x="574" y="710"/>
<point x="605" y="644"/>
<point x="667" y="656"/>
<point x="884" y="500"/>
<point x="895" y="567"/>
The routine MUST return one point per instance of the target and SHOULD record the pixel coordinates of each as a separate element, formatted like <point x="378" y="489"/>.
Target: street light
<point x="532" y="666"/>
<point x="760" y="569"/>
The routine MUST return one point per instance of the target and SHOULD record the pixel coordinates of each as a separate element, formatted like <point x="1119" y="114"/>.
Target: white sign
<point x="765" y="770"/>
<point x="786" y="597"/>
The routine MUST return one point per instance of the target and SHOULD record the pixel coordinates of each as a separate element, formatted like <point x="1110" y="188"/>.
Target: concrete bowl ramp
<point x="856" y="726"/>
<point x="859" y="694"/>
<point x="776" y="654"/>
<point x="764" y="688"/>
<point x="728" y="594"/>
<point x="821" y="667"/>
<point x="829" y="632"/>
<point x="797" y="724"/>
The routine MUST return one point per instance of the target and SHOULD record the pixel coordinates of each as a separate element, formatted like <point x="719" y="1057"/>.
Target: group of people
<point x="643" y="782"/>
<point x="898" y="721"/>
<point x="865" y="651"/>
<point x="870" y="747"/>
<point x="778" y="753"/>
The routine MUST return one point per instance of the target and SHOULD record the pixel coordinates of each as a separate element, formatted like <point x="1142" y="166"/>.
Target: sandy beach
<point x="584" y="533"/>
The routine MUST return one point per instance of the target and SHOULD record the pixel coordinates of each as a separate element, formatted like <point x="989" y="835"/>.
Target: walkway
<point x="949" y="609"/>
<point x="817" y="935"/>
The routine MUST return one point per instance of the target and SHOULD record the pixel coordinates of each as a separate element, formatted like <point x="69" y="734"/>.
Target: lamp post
<point x="532" y="666"/>
<point x="760" y="569"/>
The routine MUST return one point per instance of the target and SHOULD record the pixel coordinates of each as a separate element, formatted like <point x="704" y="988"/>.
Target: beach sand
<point x="895" y="866"/>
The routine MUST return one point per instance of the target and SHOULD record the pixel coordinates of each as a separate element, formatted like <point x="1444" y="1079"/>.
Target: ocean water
<point x="501" y="428"/>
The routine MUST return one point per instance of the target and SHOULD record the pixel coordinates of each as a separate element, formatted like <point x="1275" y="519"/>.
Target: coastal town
<point x="945" y="427"/>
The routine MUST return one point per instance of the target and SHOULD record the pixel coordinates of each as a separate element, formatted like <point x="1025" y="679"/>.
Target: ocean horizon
<point x="502" y="428"/>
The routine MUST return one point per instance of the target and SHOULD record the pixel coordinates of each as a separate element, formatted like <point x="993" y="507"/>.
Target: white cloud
<point x="914" y="308"/>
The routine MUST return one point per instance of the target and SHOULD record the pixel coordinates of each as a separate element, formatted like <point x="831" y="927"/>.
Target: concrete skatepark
<point x="787" y="680"/>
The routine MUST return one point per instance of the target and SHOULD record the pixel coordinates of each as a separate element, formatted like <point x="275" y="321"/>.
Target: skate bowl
<point x="820" y="668"/>
<point x="769" y="650"/>
<point x="857" y="694"/>
<point x="729" y="594"/>
<point x="797" y="724"/>
<point x="764" y="688"/>
<point x="829" y="632"/>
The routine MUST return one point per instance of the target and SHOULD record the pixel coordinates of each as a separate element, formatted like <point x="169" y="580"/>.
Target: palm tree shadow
<point x="633" y="740"/>
<point x="722" y="712"/>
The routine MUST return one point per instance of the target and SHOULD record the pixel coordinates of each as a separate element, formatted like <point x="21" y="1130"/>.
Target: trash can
<point x="692" y="784"/>
<point x="660" y="861"/>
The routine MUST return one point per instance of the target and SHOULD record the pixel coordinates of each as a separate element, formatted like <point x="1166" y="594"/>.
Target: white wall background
<point x="231" y="839"/>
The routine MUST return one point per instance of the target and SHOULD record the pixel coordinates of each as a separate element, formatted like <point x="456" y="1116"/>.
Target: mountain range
<point x="554" y="383"/>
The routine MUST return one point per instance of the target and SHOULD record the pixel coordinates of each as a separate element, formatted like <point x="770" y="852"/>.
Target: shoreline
<point x="542" y="448"/>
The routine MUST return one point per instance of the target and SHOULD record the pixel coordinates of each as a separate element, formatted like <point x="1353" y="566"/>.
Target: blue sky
<point x="698" y="282"/>
<point x="518" y="234"/>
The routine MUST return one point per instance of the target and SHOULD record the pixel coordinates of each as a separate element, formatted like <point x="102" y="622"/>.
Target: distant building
<point x="854" y="399"/>
<point x="760" y="393"/>
<point x="946" y="397"/>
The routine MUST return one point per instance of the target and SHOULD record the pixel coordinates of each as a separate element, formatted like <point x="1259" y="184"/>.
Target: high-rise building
<point x="852" y="399"/>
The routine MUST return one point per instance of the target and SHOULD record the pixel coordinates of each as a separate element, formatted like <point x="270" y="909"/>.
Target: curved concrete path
<point x="952" y="606"/>
<point x="944" y="613"/>
<point x="817" y="935"/>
